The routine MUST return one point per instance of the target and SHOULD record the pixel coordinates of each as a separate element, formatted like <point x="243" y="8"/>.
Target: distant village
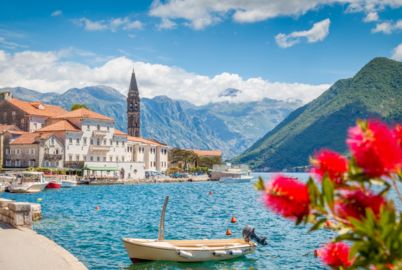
<point x="38" y="135"/>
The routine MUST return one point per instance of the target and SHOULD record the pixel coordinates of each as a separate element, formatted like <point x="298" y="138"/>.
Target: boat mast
<point x="161" y="231"/>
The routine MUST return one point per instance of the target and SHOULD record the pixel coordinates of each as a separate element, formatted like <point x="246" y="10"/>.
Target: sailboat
<point x="189" y="250"/>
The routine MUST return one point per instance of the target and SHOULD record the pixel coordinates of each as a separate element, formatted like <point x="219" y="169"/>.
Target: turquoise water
<point x="70" y="218"/>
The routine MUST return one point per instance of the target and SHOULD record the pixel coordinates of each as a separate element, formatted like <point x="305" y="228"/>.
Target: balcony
<point x="99" y="148"/>
<point x="53" y="157"/>
<point x="99" y="133"/>
<point x="74" y="164"/>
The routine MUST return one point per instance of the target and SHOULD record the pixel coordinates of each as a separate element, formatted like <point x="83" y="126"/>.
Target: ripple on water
<point x="70" y="218"/>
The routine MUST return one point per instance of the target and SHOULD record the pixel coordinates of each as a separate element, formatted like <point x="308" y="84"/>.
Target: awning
<point x="94" y="168"/>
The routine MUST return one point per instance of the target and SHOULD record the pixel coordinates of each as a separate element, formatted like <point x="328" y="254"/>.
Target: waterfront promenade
<point x="22" y="249"/>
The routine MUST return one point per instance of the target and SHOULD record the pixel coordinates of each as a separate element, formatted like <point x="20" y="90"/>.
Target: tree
<point x="77" y="106"/>
<point x="349" y="196"/>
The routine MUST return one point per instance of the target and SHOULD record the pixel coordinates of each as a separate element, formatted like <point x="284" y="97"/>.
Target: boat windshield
<point x="30" y="177"/>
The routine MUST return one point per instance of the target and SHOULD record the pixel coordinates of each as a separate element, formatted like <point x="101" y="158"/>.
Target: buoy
<point x="210" y="193"/>
<point x="316" y="253"/>
<point x="233" y="220"/>
<point x="97" y="208"/>
<point x="39" y="199"/>
<point x="228" y="232"/>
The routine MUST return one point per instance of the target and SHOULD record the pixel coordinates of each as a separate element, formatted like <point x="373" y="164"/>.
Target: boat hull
<point x="235" y="180"/>
<point x="32" y="188"/>
<point x="68" y="184"/>
<point x="186" y="250"/>
<point x="53" y="185"/>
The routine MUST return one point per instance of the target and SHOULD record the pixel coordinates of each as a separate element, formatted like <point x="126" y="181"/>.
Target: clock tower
<point x="133" y="108"/>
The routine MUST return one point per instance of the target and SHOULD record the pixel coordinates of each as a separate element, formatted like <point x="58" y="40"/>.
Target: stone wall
<point x="19" y="214"/>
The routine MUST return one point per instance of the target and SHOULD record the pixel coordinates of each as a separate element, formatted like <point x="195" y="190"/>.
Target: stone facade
<point x="133" y="108"/>
<point x="19" y="214"/>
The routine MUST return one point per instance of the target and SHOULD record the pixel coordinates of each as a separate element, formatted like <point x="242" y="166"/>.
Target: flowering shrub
<point x="340" y="196"/>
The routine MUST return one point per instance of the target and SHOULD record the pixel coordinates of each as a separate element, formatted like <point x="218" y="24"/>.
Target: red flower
<point x="335" y="255"/>
<point x="287" y="197"/>
<point x="353" y="203"/>
<point x="330" y="163"/>
<point x="375" y="149"/>
<point x="398" y="134"/>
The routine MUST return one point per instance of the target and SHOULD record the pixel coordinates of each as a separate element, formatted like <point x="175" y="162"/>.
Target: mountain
<point x="374" y="92"/>
<point x="229" y="92"/>
<point x="230" y="127"/>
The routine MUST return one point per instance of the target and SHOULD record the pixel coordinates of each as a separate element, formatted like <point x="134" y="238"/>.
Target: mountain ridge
<point x="374" y="92"/>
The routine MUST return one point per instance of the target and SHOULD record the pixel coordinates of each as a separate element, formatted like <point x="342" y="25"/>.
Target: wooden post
<point x="161" y="231"/>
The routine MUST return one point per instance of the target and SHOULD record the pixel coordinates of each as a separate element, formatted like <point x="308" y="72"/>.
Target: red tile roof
<point x="119" y="133"/>
<point x="83" y="113"/>
<point x="8" y="128"/>
<point x="62" y="125"/>
<point x="31" y="138"/>
<point x="145" y="141"/>
<point x="206" y="153"/>
<point x="37" y="108"/>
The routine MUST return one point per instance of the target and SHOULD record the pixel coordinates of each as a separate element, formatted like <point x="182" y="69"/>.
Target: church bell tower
<point x="133" y="108"/>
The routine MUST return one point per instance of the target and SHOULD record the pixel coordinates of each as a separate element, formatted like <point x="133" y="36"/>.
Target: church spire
<point x="133" y="108"/>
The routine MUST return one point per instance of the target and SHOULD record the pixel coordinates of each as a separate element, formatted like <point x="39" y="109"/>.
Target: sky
<point x="195" y="49"/>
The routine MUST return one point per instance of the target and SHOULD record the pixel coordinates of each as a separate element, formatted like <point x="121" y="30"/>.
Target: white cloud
<point x="49" y="71"/>
<point x="56" y="13"/>
<point x="384" y="27"/>
<point x="166" y="24"/>
<point x="318" y="32"/>
<point x="114" y="24"/>
<point x="199" y="14"/>
<point x="371" y="17"/>
<point x="7" y="44"/>
<point x="397" y="53"/>
<point x="388" y="27"/>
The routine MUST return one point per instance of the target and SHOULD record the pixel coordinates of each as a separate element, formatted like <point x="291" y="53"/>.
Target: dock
<point x="23" y="249"/>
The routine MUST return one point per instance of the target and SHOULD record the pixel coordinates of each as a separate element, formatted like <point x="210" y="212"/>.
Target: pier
<point x="21" y="248"/>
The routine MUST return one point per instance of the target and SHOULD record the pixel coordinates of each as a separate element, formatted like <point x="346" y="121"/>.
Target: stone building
<point x="27" y="116"/>
<point x="133" y="108"/>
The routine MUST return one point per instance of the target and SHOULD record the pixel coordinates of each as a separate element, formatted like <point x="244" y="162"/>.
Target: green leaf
<point x="259" y="185"/>
<point x="328" y="191"/>
<point x="318" y="224"/>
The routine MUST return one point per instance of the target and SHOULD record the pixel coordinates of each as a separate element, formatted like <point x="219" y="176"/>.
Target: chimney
<point x="6" y="95"/>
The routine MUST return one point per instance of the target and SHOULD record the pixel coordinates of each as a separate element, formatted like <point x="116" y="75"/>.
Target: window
<point x="104" y="142"/>
<point x="117" y="142"/>
<point x="70" y="141"/>
<point x="4" y="116"/>
<point x="52" y="141"/>
<point x="17" y="151"/>
<point x="77" y="157"/>
<point x="84" y="157"/>
<point x="111" y="142"/>
<point x="7" y="151"/>
<point x="98" y="158"/>
<point x="98" y="127"/>
<point x="8" y="162"/>
<point x="108" y="128"/>
<point x="77" y="140"/>
<point x="122" y="158"/>
<point x="98" y="141"/>
<point x="85" y="140"/>
<point x="57" y="151"/>
<point x="110" y="158"/>
<point x="104" y="158"/>
<point x="32" y="151"/>
<point x="88" y="127"/>
<point x="13" y="114"/>
<point x="92" y="158"/>
<point x="70" y="157"/>
<point x="92" y="141"/>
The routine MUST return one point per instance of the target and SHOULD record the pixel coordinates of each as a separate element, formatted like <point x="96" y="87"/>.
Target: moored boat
<point x="236" y="179"/>
<point x="68" y="183"/>
<point x="189" y="250"/>
<point x="53" y="184"/>
<point x="28" y="182"/>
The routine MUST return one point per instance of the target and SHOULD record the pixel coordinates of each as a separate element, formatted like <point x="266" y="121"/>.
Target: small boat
<point x="28" y="182"/>
<point x="53" y="184"/>
<point x="238" y="179"/>
<point x="189" y="250"/>
<point x="68" y="183"/>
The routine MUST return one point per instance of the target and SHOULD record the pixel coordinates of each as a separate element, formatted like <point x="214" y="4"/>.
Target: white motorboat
<point x="236" y="179"/>
<point x="190" y="250"/>
<point x="28" y="182"/>
<point x="68" y="183"/>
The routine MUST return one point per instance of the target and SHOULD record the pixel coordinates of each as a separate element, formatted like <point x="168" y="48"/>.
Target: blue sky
<point x="295" y="44"/>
